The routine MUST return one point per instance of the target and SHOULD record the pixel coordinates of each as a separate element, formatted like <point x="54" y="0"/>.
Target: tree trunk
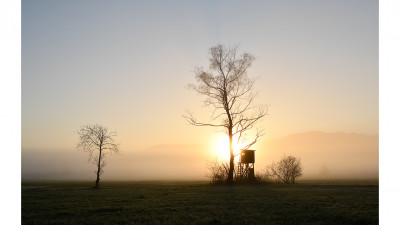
<point x="231" y="160"/>
<point x="98" y="171"/>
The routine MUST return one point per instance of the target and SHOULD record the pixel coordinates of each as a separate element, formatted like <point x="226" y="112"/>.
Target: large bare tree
<point x="98" y="142"/>
<point x="229" y="92"/>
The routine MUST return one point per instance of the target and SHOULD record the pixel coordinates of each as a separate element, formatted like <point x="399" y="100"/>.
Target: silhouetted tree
<point x="98" y="142"/>
<point x="286" y="170"/>
<point x="229" y="92"/>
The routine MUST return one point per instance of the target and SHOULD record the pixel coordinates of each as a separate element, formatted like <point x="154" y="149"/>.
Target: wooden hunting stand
<point x="246" y="164"/>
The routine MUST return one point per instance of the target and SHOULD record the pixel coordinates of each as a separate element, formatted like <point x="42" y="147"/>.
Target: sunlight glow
<point x="221" y="149"/>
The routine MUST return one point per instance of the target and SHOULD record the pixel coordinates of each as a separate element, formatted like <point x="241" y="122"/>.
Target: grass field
<point x="199" y="203"/>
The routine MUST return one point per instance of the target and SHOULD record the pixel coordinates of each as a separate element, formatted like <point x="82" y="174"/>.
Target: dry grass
<point x="199" y="203"/>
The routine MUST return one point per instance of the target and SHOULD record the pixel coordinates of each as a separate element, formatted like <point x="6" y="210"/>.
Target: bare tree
<point x="286" y="170"/>
<point x="98" y="142"/>
<point x="228" y="91"/>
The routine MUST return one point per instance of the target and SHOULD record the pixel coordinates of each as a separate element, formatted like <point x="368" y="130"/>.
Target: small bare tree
<point x="286" y="170"/>
<point x="98" y="142"/>
<point x="228" y="91"/>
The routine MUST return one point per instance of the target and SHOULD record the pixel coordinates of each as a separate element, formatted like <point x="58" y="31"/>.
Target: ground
<point x="199" y="203"/>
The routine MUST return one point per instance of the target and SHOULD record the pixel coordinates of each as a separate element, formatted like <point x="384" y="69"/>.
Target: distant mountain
<point x="326" y="155"/>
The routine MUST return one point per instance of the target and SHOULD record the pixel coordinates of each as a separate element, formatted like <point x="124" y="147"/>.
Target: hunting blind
<point x="246" y="164"/>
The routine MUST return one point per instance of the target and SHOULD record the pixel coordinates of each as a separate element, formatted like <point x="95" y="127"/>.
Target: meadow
<point x="167" y="202"/>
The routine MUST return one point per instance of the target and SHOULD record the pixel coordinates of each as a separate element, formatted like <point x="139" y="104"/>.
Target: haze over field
<point x="324" y="156"/>
<point x="126" y="65"/>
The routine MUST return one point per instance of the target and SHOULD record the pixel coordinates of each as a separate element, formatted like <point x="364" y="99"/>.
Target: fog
<point x="164" y="162"/>
<point x="323" y="155"/>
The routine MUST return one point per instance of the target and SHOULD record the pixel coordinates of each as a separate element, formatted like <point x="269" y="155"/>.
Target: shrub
<point x="217" y="171"/>
<point x="286" y="170"/>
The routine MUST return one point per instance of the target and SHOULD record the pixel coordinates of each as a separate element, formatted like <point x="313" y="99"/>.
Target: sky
<point x="127" y="64"/>
<point x="388" y="68"/>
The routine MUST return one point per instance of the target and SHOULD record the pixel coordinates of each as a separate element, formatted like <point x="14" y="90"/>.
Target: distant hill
<point x="326" y="155"/>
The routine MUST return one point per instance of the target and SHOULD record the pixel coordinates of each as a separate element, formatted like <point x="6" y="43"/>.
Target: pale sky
<point x="126" y="64"/>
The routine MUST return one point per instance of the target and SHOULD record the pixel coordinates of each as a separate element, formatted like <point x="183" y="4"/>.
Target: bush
<point x="286" y="170"/>
<point x="218" y="171"/>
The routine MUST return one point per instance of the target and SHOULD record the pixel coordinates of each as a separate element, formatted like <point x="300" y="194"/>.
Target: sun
<point x="221" y="147"/>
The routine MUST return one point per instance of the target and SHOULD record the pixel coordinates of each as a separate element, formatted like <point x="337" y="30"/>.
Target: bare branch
<point x="189" y="117"/>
